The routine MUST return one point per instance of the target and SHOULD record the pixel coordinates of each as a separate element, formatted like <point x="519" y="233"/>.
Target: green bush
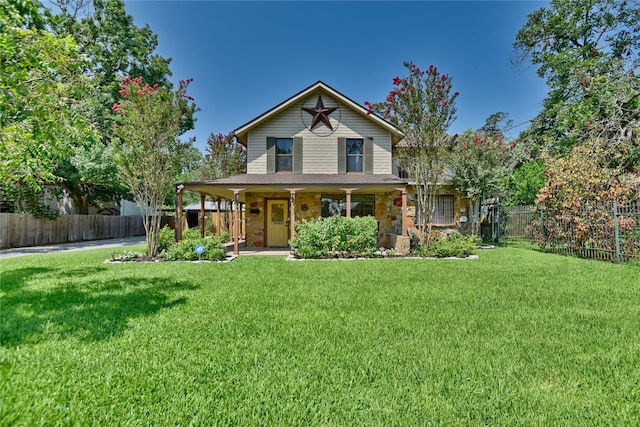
<point x="452" y="245"/>
<point x="185" y="250"/>
<point x="336" y="236"/>
<point x="166" y="238"/>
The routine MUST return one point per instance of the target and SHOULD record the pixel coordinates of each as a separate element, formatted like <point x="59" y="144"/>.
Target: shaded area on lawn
<point x="76" y="305"/>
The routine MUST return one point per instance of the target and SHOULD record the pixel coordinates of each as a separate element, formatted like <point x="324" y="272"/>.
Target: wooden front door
<point x="277" y="223"/>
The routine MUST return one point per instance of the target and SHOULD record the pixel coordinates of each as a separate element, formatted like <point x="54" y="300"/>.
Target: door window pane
<point x="277" y="213"/>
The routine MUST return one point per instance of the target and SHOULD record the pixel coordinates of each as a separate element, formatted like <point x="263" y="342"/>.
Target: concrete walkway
<point x="77" y="246"/>
<point x="122" y="242"/>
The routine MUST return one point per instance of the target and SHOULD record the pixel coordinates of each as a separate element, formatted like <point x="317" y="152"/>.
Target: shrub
<point x="185" y="250"/>
<point x="166" y="238"/>
<point x="336" y="236"/>
<point x="452" y="245"/>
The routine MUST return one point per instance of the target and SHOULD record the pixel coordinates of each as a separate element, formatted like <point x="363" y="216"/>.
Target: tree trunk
<point x="81" y="204"/>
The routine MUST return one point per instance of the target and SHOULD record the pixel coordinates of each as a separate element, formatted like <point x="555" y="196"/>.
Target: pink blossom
<point x="396" y="80"/>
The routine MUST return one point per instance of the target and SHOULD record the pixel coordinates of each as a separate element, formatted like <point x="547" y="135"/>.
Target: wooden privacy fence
<point x="19" y="230"/>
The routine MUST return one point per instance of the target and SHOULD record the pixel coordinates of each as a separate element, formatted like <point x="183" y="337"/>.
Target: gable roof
<point x="319" y="86"/>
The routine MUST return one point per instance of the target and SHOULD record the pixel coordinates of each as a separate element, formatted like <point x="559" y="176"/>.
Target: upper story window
<point x="355" y="154"/>
<point x="284" y="154"/>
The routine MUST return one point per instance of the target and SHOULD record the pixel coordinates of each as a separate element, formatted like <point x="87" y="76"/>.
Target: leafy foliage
<point x="480" y="165"/>
<point x="42" y="102"/>
<point x="588" y="53"/>
<point x="214" y="249"/>
<point x="336" y="236"/>
<point x="422" y="105"/>
<point x="451" y="245"/>
<point x="523" y="185"/>
<point x="224" y="157"/>
<point x="184" y="250"/>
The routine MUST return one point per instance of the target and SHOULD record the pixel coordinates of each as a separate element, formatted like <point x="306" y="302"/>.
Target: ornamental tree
<point x="147" y="148"/>
<point x="480" y="165"/>
<point x="577" y="199"/>
<point x="422" y="106"/>
<point x="224" y="157"/>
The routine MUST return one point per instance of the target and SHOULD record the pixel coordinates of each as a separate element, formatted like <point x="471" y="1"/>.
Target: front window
<point x="336" y="204"/>
<point x="443" y="213"/>
<point x="355" y="154"/>
<point x="284" y="154"/>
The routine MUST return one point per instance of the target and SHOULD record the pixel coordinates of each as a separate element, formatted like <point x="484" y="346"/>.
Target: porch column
<point x="236" y="223"/>
<point x="178" y="224"/>
<point x="218" y="216"/>
<point x="348" y="203"/>
<point x="404" y="213"/>
<point x="202" y="197"/>
<point x="292" y="213"/>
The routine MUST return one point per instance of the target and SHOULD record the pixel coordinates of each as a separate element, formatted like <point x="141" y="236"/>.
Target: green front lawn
<point x="516" y="337"/>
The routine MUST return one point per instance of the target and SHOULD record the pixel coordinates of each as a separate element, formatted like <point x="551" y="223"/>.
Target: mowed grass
<point x="516" y="337"/>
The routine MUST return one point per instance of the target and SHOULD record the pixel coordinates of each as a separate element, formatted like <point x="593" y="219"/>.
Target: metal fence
<point x="19" y="230"/>
<point x="605" y="231"/>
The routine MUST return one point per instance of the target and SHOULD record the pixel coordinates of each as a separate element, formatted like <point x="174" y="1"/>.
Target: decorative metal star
<point x="320" y="113"/>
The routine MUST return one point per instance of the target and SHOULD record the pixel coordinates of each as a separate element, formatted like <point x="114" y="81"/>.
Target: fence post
<point x="616" y="230"/>
<point x="542" y="227"/>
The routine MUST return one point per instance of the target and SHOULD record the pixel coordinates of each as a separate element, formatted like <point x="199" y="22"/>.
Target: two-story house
<point x="318" y="153"/>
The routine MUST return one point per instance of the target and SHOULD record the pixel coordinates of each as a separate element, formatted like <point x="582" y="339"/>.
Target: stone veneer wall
<point x="460" y="208"/>
<point x="388" y="213"/>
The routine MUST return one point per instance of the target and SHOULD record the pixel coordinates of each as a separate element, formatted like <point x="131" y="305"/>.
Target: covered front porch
<point x="274" y="203"/>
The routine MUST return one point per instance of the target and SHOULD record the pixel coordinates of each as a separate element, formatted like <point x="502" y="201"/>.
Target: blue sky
<point x="246" y="57"/>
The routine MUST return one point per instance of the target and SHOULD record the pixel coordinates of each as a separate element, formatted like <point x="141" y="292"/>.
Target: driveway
<point x="66" y="247"/>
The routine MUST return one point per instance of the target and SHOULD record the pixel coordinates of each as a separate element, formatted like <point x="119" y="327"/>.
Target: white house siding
<point x="320" y="153"/>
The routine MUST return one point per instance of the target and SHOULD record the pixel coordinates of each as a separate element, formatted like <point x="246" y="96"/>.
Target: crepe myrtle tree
<point x="224" y="156"/>
<point x="480" y="166"/>
<point x="422" y="106"/>
<point x="148" y="151"/>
